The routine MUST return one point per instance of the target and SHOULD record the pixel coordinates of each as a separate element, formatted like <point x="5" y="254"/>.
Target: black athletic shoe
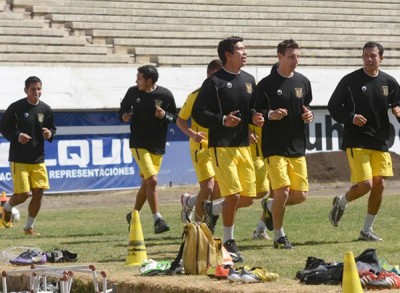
<point x="233" y="251"/>
<point x="268" y="216"/>
<point x="209" y="218"/>
<point x="283" y="243"/>
<point x="129" y="219"/>
<point x="160" y="226"/>
<point x="336" y="212"/>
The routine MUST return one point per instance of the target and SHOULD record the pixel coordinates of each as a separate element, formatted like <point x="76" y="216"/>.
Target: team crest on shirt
<point x="41" y="118"/>
<point x="26" y="115"/>
<point x="299" y="92"/>
<point x="364" y="88"/>
<point x="229" y="85"/>
<point x="279" y="92"/>
<point x="385" y="90"/>
<point x="249" y="88"/>
<point x="137" y="100"/>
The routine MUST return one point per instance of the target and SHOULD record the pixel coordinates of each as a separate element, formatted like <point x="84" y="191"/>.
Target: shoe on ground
<point x="58" y="256"/>
<point x="31" y="232"/>
<point x="187" y="211"/>
<point x="29" y="257"/>
<point x="261" y="235"/>
<point x="283" y="243"/>
<point x="257" y="275"/>
<point x="6" y="218"/>
<point x="369" y="236"/>
<point x="222" y="271"/>
<point x="160" y="226"/>
<point x="231" y="248"/>
<point x="366" y="276"/>
<point x="385" y="280"/>
<point x="234" y="275"/>
<point x="336" y="212"/>
<point x="209" y="218"/>
<point x="268" y="216"/>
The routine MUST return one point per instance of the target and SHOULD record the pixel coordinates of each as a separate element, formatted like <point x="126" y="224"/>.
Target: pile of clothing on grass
<point x="374" y="273"/>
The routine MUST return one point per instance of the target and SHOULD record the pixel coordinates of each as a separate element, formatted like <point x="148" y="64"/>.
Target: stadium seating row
<point x="175" y="32"/>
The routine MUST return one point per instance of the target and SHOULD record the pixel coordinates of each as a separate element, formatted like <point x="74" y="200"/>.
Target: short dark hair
<point x="227" y="45"/>
<point x="213" y="66"/>
<point x="374" y="45"/>
<point x="287" y="44"/>
<point x="149" y="72"/>
<point x="30" y="80"/>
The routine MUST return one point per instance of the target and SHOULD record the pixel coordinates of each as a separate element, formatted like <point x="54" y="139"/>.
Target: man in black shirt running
<point x="149" y="108"/>
<point x="361" y="101"/>
<point x="27" y="123"/>
<point x="284" y="97"/>
<point x="225" y="105"/>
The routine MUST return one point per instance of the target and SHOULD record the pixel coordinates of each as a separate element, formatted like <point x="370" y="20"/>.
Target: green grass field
<point x="100" y="236"/>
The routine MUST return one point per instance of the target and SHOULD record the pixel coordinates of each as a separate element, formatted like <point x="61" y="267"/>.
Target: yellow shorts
<point x="202" y="164"/>
<point x="286" y="171"/>
<point x="260" y="168"/>
<point x="149" y="164"/>
<point x="234" y="170"/>
<point x="29" y="176"/>
<point x="365" y="164"/>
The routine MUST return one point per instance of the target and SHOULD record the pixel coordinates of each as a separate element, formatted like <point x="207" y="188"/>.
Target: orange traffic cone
<point x="3" y="200"/>
<point x="136" y="248"/>
<point x="351" y="281"/>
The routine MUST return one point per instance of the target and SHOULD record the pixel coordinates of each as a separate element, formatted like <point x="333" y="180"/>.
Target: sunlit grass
<point x="100" y="235"/>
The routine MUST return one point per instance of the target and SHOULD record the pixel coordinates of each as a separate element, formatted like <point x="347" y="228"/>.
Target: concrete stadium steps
<point x="6" y="15"/>
<point x="229" y="12"/>
<point x="49" y="32"/>
<point x="125" y="8"/>
<point x="178" y="32"/>
<point x="216" y="36"/>
<point x="45" y="49"/>
<point x="42" y="40"/>
<point x="133" y="4"/>
<point x="245" y="20"/>
<point x="252" y="61"/>
<point x="261" y="52"/>
<point x="250" y="43"/>
<point x="190" y="24"/>
<point x="64" y="58"/>
<point x="23" y="23"/>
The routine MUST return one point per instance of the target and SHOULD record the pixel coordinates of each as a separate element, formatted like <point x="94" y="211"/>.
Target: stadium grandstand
<point x="171" y="33"/>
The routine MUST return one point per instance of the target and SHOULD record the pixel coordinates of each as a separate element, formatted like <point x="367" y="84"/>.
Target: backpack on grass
<point x="198" y="250"/>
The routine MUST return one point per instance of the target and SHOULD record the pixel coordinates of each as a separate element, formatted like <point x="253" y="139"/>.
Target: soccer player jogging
<point x="201" y="158"/>
<point x="149" y="108"/>
<point x="225" y="105"/>
<point x="27" y="123"/>
<point x="361" y="101"/>
<point x="284" y="97"/>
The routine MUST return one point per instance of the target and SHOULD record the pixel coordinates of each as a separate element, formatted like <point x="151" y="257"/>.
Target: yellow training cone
<point x="136" y="248"/>
<point x="351" y="281"/>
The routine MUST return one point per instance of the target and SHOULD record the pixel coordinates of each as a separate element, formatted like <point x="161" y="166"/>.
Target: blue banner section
<point x="91" y="152"/>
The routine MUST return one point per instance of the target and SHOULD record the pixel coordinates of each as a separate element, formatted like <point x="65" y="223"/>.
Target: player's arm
<point x="337" y="105"/>
<point x="170" y="110"/>
<point x="8" y="125"/>
<point x="49" y="129"/>
<point x="126" y="109"/>
<point x="206" y="110"/>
